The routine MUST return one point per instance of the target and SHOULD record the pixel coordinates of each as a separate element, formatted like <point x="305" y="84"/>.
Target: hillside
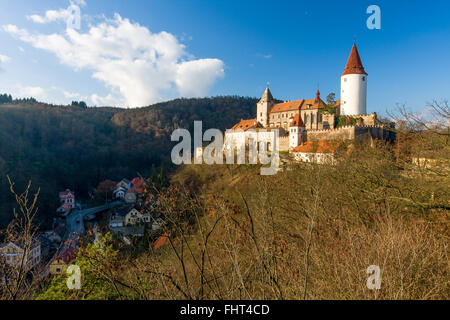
<point x="309" y="232"/>
<point x="60" y="147"/>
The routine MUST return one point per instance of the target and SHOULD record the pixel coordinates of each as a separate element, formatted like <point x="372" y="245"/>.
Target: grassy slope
<point x="309" y="232"/>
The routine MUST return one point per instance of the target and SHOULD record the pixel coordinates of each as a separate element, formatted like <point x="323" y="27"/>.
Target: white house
<point x="322" y="152"/>
<point x="134" y="217"/>
<point x="14" y="253"/>
<point x="119" y="192"/>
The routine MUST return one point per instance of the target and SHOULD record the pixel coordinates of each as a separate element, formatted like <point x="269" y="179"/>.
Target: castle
<point x="309" y="128"/>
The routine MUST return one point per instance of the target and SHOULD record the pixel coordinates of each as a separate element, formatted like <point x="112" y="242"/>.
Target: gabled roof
<point x="314" y="104"/>
<point x="318" y="147"/>
<point x="287" y="106"/>
<point x="245" y="125"/>
<point x="354" y="64"/>
<point x="68" y="255"/>
<point x="66" y="193"/>
<point x="267" y="96"/>
<point x="297" y="121"/>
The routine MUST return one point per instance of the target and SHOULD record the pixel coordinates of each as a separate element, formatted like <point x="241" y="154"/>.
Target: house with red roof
<point x="321" y="152"/>
<point x="63" y="260"/>
<point x="67" y="197"/>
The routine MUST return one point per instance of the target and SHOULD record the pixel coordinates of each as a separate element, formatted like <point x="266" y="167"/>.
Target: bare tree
<point x="14" y="283"/>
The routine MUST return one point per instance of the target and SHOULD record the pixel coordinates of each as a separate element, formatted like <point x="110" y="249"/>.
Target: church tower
<point x="263" y="108"/>
<point x="354" y="86"/>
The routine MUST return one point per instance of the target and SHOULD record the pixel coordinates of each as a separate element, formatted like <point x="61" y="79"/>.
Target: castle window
<point x="364" y="78"/>
<point x="345" y="79"/>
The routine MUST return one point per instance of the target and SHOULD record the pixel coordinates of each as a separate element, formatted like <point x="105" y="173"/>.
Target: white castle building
<point x="310" y="125"/>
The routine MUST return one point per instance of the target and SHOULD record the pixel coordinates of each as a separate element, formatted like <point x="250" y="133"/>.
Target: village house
<point x="63" y="260"/>
<point x="134" y="217"/>
<point x="321" y="152"/>
<point x="117" y="219"/>
<point x="125" y="183"/>
<point x="14" y="253"/>
<point x="67" y="198"/>
<point x="119" y="193"/>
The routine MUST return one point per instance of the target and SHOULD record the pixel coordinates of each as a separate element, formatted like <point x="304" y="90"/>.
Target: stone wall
<point x="284" y="143"/>
<point x="349" y="133"/>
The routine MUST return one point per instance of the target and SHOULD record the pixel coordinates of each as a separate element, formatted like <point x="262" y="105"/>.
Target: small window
<point x="345" y="79"/>
<point x="364" y="78"/>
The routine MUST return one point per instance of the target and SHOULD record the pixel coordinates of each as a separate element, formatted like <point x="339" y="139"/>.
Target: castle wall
<point x="348" y="133"/>
<point x="284" y="143"/>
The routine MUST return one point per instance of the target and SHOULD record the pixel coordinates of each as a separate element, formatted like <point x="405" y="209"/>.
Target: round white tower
<point x="354" y="86"/>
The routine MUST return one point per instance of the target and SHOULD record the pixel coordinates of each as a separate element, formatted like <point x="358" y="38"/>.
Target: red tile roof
<point x="354" y="64"/>
<point x="66" y="193"/>
<point x="287" y="106"/>
<point x="297" y="121"/>
<point x="313" y="104"/>
<point x="68" y="255"/>
<point x="245" y="125"/>
<point x="318" y="147"/>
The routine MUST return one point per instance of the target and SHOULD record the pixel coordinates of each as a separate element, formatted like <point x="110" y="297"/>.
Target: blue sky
<point x="131" y="53"/>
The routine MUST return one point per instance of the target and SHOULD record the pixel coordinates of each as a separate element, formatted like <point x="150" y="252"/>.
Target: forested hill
<point x="60" y="147"/>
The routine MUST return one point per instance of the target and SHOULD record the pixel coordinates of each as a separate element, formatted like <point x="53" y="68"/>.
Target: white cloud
<point x="137" y="66"/>
<point x="81" y="3"/>
<point x="55" y="15"/>
<point x="50" y="16"/>
<point x="108" y="100"/>
<point x="3" y="59"/>
<point x="30" y="91"/>
<point x="195" y="78"/>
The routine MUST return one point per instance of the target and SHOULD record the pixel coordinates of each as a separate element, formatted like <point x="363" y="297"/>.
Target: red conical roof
<point x="354" y="64"/>
<point x="297" y="121"/>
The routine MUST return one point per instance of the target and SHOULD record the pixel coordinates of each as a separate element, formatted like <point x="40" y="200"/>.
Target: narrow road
<point x="75" y="220"/>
